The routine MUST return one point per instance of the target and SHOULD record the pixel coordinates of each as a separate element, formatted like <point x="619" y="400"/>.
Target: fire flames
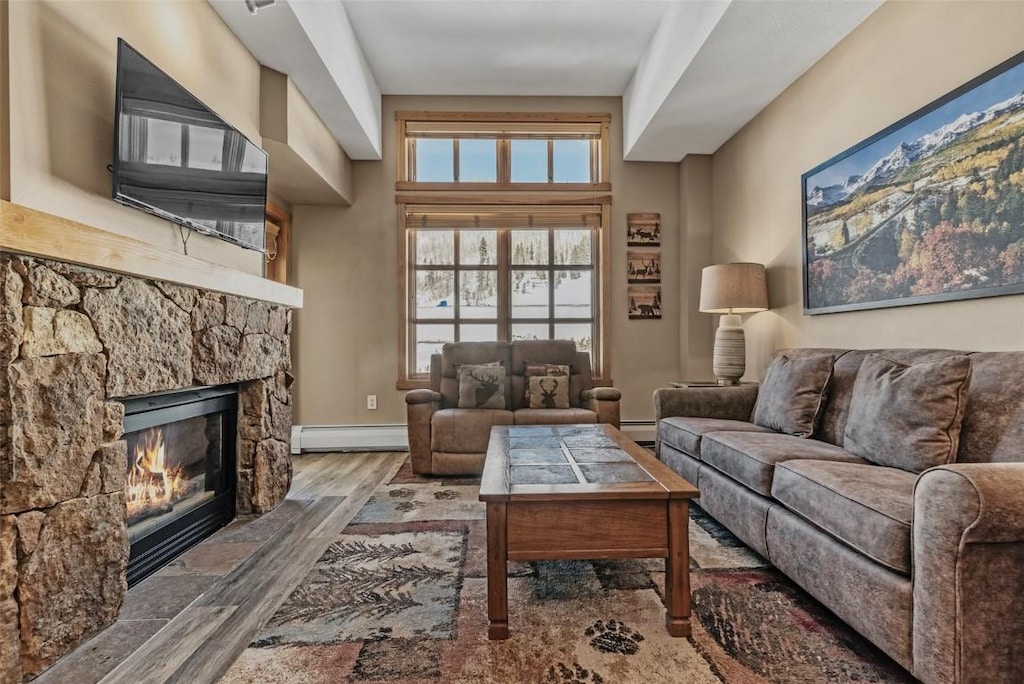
<point x="152" y="488"/>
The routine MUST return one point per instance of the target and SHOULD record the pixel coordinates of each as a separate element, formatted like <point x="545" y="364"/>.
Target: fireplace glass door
<point x="180" y="485"/>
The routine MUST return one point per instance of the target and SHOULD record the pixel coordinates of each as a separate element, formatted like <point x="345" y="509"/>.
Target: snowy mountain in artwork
<point x="905" y="154"/>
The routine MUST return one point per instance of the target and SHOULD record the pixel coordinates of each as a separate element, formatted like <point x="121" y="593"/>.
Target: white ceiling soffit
<point x="507" y="47"/>
<point x="313" y="42"/>
<point x="689" y="97"/>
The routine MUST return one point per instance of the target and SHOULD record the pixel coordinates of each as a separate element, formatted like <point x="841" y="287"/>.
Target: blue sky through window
<point x="572" y="161"/>
<point x="529" y="161"/>
<point x="434" y="161"/>
<point x="478" y="161"/>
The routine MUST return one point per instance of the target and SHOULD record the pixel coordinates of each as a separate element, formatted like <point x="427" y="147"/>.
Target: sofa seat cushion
<point x="866" y="506"/>
<point x="750" y="457"/>
<point x="567" y="416"/>
<point x="465" y="431"/>
<point x="684" y="433"/>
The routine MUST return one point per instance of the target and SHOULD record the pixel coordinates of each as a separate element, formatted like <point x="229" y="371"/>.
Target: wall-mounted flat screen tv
<point x="175" y="158"/>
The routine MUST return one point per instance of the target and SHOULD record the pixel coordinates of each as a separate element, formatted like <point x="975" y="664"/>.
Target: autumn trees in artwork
<point x="971" y="236"/>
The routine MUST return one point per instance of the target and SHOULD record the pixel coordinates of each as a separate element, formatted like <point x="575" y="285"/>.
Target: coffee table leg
<point x="677" y="569"/>
<point x="497" y="571"/>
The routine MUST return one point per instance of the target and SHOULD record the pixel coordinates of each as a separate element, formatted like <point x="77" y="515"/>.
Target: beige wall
<point x="901" y="58"/>
<point x="5" y="131"/>
<point x="306" y="164"/>
<point x="63" y="56"/>
<point x="346" y="262"/>
<point x="696" y="335"/>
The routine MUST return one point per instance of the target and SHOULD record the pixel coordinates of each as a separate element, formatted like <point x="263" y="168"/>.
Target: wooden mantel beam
<point x="37" y="233"/>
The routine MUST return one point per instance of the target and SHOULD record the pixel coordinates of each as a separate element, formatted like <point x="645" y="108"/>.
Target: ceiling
<point x="691" y="72"/>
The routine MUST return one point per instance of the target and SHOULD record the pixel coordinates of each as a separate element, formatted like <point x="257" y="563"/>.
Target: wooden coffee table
<point x="584" y="492"/>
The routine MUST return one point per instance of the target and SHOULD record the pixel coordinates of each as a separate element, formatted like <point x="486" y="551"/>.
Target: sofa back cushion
<point x="993" y="427"/>
<point x="993" y="424"/>
<point x="832" y="425"/>
<point x="557" y="352"/>
<point x="908" y="416"/>
<point x="454" y="355"/>
<point x="793" y="393"/>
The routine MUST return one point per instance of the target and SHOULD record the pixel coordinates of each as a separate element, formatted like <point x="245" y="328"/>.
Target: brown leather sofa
<point x="447" y="440"/>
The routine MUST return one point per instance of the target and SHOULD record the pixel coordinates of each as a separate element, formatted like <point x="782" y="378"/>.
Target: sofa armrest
<point x="604" y="401"/>
<point x="420" y="407"/>
<point x="968" y="551"/>
<point x="602" y="394"/>
<point x="422" y="396"/>
<point x="730" y="403"/>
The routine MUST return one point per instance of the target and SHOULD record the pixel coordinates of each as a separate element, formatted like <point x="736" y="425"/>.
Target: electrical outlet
<point x="371" y="401"/>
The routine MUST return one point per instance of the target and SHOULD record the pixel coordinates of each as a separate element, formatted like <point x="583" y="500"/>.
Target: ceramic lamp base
<point x="729" y="358"/>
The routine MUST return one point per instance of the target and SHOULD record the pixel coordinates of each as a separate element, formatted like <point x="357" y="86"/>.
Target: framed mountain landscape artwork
<point x="930" y="209"/>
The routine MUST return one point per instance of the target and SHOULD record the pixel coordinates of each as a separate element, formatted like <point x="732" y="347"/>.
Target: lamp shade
<point x="733" y="289"/>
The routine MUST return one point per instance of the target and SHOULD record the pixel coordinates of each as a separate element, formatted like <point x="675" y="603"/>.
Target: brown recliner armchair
<point x="447" y="440"/>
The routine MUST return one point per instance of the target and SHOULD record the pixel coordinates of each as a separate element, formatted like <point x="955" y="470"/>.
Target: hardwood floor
<point x="201" y="611"/>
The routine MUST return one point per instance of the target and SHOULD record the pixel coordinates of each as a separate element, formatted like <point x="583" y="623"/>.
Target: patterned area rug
<point x="401" y="596"/>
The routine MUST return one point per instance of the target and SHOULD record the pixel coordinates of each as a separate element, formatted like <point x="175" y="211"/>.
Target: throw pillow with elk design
<point x="534" y="368"/>
<point x="549" y="392"/>
<point x="482" y="387"/>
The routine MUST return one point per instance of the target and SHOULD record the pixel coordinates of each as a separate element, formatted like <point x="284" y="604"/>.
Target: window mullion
<point x="455" y="159"/>
<point x="504" y="160"/>
<point x="457" y="280"/>
<point x="551" y="283"/>
<point x="551" y="160"/>
<point x="411" y="337"/>
<point x="595" y="160"/>
<point x="504" y="284"/>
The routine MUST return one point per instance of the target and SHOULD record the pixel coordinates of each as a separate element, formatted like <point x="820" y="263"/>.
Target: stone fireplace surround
<point x="74" y="340"/>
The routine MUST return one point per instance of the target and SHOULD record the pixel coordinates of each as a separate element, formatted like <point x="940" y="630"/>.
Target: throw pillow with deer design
<point x="482" y="387"/>
<point x="549" y="392"/>
<point x="534" y="368"/>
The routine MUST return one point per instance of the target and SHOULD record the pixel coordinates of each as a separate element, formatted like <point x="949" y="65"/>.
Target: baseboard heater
<point x="393" y="437"/>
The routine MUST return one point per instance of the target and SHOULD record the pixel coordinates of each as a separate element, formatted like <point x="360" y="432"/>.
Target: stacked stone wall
<point x="73" y="341"/>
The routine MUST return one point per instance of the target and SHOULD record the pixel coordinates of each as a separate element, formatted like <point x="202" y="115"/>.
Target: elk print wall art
<point x="643" y="266"/>
<point x="643" y="230"/>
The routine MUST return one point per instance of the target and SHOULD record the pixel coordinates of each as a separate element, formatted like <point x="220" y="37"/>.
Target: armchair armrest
<point x="968" y="562"/>
<point x="604" y="401"/>
<point x="731" y="403"/>
<point x="602" y="394"/>
<point x="419" y="409"/>
<point x="422" y="396"/>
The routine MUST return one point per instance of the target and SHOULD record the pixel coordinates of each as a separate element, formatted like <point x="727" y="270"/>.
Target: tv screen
<point x="175" y="158"/>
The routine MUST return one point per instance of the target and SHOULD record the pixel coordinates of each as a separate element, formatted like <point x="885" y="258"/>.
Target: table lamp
<point x="732" y="289"/>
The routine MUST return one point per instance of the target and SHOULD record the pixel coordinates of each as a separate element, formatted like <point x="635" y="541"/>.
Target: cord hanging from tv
<point x="176" y="159"/>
